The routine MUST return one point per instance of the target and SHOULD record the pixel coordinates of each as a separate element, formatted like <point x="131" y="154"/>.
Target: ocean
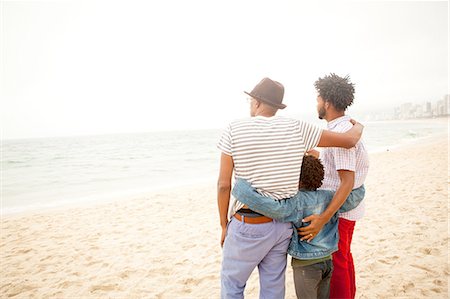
<point x="50" y="172"/>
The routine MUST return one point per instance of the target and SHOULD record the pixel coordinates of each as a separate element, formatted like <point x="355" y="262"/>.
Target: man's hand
<point x="307" y="233"/>
<point x="345" y="140"/>
<point x="224" y="233"/>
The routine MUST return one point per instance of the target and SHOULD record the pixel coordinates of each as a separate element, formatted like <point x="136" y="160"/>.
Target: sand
<point x="166" y="244"/>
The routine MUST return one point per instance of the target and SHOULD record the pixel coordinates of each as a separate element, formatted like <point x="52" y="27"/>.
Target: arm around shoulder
<point x="345" y="140"/>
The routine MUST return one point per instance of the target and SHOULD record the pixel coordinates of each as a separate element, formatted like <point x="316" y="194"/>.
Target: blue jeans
<point x="248" y="246"/>
<point x="313" y="281"/>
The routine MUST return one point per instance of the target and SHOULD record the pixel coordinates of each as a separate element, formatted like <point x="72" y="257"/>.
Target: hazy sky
<point x="91" y="67"/>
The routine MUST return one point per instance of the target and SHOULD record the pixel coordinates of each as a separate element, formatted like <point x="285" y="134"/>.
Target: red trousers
<point x="342" y="285"/>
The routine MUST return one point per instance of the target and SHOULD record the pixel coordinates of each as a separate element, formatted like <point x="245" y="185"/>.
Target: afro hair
<point x="312" y="173"/>
<point x="336" y="90"/>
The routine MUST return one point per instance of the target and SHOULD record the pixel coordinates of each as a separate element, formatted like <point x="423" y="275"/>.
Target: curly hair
<point x="312" y="173"/>
<point x="336" y="90"/>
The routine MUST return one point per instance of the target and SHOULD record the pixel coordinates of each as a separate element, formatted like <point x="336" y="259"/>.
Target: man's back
<point x="262" y="149"/>
<point x="268" y="152"/>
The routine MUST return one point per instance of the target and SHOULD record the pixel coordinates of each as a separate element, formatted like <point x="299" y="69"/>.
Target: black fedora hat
<point x="269" y="92"/>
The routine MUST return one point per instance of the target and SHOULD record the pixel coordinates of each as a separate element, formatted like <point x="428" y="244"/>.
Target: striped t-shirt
<point x="268" y="152"/>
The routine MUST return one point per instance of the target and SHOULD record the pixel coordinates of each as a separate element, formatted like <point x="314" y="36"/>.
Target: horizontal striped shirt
<point x="268" y="153"/>
<point x="355" y="159"/>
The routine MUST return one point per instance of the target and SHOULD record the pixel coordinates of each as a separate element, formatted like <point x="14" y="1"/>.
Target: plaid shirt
<point x="355" y="159"/>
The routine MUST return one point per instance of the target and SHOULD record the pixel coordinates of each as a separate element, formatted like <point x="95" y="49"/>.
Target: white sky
<point x="90" y="67"/>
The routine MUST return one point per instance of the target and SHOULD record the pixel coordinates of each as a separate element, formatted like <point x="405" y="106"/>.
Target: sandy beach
<point x="166" y="244"/>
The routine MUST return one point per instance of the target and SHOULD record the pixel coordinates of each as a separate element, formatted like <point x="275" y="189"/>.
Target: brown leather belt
<point x="253" y="220"/>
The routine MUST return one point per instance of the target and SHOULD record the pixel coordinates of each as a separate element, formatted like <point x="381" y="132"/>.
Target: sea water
<point x="49" y="172"/>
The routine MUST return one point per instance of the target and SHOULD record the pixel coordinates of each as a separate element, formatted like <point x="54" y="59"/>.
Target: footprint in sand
<point x="125" y="274"/>
<point x="429" y="251"/>
<point x="385" y="262"/>
<point x="438" y="282"/>
<point x="190" y="281"/>
<point x="423" y="268"/>
<point x="45" y="258"/>
<point x="18" y="289"/>
<point x="23" y="251"/>
<point x="408" y="286"/>
<point x="67" y="284"/>
<point x="92" y="263"/>
<point x="104" y="287"/>
<point x="436" y="290"/>
<point x="5" y="286"/>
<point x="195" y="282"/>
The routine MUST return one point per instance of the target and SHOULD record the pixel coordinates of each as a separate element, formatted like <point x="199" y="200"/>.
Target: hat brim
<point x="279" y="106"/>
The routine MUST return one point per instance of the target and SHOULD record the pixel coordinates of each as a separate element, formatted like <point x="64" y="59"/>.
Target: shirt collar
<point x="332" y="124"/>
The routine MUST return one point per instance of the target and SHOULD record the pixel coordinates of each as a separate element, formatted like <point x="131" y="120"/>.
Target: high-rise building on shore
<point x="409" y="110"/>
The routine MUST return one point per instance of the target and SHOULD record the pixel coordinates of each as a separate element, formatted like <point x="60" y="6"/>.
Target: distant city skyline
<point x="428" y="109"/>
<point x="100" y="67"/>
<point x="410" y="110"/>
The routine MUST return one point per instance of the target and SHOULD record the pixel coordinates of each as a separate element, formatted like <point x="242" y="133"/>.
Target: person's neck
<point x="333" y="114"/>
<point x="264" y="113"/>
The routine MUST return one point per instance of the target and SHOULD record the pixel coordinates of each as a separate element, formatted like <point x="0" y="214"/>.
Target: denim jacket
<point x="294" y="209"/>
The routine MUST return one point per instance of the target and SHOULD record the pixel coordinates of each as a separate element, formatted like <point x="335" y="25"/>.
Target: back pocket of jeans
<point x="255" y="230"/>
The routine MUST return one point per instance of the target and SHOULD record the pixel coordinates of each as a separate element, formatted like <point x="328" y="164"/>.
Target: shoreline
<point x="406" y="142"/>
<point x="434" y="138"/>
<point x="105" y="198"/>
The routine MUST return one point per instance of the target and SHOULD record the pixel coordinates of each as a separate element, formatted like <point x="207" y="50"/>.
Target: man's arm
<point x="223" y="191"/>
<point x="282" y="210"/>
<point x="346" y="140"/>
<point x="318" y="221"/>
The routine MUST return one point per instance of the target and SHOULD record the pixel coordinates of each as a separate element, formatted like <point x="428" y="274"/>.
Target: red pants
<point x="342" y="283"/>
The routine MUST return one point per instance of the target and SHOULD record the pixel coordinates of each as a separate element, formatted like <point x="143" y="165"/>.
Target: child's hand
<point x="313" y="153"/>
